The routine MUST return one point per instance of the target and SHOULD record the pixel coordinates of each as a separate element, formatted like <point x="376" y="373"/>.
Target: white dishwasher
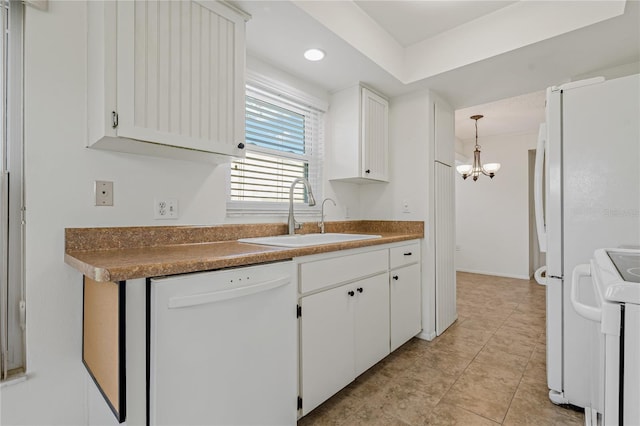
<point x="223" y="347"/>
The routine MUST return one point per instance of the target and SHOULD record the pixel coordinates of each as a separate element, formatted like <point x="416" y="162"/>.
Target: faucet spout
<point x="321" y="224"/>
<point x="293" y="225"/>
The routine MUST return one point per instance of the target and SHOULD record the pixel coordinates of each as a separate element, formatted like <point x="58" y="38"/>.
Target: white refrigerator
<point x="590" y="148"/>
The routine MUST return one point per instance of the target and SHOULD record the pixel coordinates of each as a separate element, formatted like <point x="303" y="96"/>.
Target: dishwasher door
<point x="223" y="347"/>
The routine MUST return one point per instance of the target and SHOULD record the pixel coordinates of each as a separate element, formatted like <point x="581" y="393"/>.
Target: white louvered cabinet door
<point x="180" y="74"/>
<point x="375" y="136"/>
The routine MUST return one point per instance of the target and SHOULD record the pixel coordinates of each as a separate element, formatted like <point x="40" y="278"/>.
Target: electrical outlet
<point x="103" y="193"/>
<point x="165" y="208"/>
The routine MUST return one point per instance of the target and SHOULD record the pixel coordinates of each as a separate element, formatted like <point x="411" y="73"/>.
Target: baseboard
<point x="495" y="274"/>
<point x="427" y="335"/>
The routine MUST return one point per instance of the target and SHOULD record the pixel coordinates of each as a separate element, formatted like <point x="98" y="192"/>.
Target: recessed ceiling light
<point x="314" y="54"/>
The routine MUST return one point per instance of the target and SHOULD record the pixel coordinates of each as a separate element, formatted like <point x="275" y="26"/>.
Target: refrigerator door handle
<point x="538" y="188"/>
<point x="589" y="312"/>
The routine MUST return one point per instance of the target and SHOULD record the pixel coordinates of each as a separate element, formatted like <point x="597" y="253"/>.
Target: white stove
<point x="616" y="350"/>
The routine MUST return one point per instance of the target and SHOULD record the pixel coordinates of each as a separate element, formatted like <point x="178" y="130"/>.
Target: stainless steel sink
<point x="305" y="240"/>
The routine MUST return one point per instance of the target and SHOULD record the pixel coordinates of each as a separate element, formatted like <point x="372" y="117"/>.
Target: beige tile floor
<point x="488" y="368"/>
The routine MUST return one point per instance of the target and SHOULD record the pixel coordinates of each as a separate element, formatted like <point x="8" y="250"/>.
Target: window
<point x="284" y="137"/>
<point x="12" y="307"/>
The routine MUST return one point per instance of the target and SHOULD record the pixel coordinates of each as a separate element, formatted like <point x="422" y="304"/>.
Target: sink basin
<point x="305" y="240"/>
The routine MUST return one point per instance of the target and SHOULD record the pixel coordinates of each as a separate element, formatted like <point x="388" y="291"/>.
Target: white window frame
<point x="12" y="295"/>
<point x="257" y="84"/>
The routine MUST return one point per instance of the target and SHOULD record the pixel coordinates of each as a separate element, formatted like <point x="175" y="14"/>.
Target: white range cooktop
<point x="618" y="275"/>
<point x="627" y="264"/>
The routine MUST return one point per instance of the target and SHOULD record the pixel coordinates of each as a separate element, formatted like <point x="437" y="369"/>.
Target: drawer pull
<point x="395" y="277"/>
<point x="408" y="254"/>
<point x="351" y="293"/>
<point x="360" y="290"/>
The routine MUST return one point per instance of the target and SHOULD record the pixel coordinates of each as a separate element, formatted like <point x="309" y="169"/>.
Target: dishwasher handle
<point x="219" y="296"/>
<point x="586" y="311"/>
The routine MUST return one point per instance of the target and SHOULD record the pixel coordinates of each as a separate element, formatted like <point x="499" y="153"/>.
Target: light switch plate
<point x="104" y="193"/>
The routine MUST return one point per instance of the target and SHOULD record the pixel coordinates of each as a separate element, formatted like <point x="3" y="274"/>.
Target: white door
<point x="326" y="340"/>
<point x="371" y="321"/>
<point x="405" y="304"/>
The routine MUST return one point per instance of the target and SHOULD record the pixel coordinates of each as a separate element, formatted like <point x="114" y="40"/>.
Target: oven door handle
<point x="589" y="312"/>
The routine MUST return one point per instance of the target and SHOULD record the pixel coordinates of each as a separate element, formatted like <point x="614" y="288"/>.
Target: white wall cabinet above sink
<point x="167" y="78"/>
<point x="359" y="149"/>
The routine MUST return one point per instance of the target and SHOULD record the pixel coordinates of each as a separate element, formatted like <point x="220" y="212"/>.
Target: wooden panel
<point x="103" y="341"/>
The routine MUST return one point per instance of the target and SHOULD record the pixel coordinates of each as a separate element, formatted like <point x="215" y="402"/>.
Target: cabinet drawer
<point x="326" y="272"/>
<point x="405" y="255"/>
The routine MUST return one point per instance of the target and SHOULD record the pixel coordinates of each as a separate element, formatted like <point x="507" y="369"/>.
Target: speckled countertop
<point x="118" y="254"/>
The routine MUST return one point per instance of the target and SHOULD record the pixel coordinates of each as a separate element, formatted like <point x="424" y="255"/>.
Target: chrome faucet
<point x="321" y="224"/>
<point x="293" y="225"/>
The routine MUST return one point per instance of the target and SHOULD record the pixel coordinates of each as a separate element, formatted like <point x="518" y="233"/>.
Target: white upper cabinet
<point x="359" y="149"/>
<point x="167" y="78"/>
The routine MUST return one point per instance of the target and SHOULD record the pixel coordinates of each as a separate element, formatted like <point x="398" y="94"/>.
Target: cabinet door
<point x="405" y="304"/>
<point x="326" y="340"/>
<point x="375" y="136"/>
<point x="371" y="322"/>
<point x="180" y="74"/>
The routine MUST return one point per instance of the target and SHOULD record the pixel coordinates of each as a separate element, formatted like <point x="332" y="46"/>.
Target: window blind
<point x="283" y="142"/>
<point x="262" y="177"/>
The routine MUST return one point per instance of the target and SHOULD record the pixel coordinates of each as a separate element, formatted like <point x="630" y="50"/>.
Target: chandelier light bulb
<point x="464" y="169"/>
<point x="491" y="167"/>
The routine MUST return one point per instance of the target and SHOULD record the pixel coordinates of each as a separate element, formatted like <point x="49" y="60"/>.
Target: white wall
<point x="60" y="173"/>
<point x="492" y="215"/>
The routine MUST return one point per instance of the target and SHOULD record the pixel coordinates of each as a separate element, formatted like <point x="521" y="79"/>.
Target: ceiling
<point x="519" y="114"/>
<point x="400" y="46"/>
<point x="409" y="22"/>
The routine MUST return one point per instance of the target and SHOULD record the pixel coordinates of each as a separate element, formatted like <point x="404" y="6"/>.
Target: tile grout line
<point x="471" y="362"/>
<point x="521" y="378"/>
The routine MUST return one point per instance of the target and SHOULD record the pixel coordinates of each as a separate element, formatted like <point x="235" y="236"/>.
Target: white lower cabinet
<point x="371" y="322"/>
<point x="406" y="317"/>
<point x="326" y="341"/>
<point x="344" y="332"/>
<point x="356" y="308"/>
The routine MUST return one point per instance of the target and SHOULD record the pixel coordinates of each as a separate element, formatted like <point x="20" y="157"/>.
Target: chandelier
<point x="474" y="170"/>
